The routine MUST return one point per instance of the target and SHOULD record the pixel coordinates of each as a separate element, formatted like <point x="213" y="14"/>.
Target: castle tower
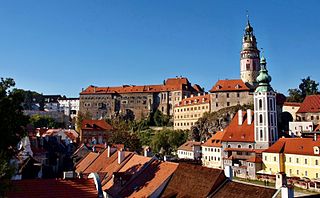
<point x="265" y="112"/>
<point x="249" y="57"/>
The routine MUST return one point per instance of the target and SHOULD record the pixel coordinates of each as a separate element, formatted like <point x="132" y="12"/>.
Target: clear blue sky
<point x="59" y="46"/>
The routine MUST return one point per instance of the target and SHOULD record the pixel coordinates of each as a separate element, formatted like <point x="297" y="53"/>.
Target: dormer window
<point x="237" y="86"/>
<point x="316" y="150"/>
<point x="218" y="87"/>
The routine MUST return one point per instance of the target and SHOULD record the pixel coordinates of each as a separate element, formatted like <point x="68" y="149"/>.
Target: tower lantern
<point x="249" y="56"/>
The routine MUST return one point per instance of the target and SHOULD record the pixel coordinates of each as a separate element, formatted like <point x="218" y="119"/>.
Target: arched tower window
<point x="260" y="104"/>
<point x="261" y="134"/>
<point x="260" y="119"/>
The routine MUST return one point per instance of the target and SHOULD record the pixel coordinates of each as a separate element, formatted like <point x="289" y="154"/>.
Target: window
<point x="290" y="171"/>
<point x="265" y="158"/>
<point x="216" y="95"/>
<point x="297" y="160"/>
<point x="261" y="134"/>
<point x="227" y="95"/>
<point x="238" y="95"/>
<point x="305" y="161"/>
<point x="306" y="173"/>
<point x="260" y="104"/>
<point x="317" y="175"/>
<point x="228" y="104"/>
<point x="239" y="146"/>
<point x="216" y="104"/>
<point x="290" y="159"/>
<point x="311" y="117"/>
<point x="316" y="162"/>
<point x="275" y="159"/>
<point x="297" y="172"/>
<point x="260" y="119"/>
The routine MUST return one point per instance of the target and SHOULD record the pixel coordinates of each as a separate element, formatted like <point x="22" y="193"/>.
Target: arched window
<point x="271" y="104"/>
<point x="261" y="134"/>
<point x="260" y="104"/>
<point x="260" y="119"/>
<point x="250" y="146"/>
<point x="239" y="146"/>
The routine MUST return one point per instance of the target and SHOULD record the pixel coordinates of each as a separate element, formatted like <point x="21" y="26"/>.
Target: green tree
<point x="38" y="121"/>
<point x="30" y="98"/>
<point x="306" y="87"/>
<point x="80" y="117"/>
<point x="12" y="123"/>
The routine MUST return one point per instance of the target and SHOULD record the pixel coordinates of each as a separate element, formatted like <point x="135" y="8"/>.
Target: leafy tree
<point x="80" y="117"/>
<point x="129" y="139"/>
<point x="306" y="87"/>
<point x="30" y="98"/>
<point x="168" y="140"/>
<point x="12" y="123"/>
<point x="39" y="121"/>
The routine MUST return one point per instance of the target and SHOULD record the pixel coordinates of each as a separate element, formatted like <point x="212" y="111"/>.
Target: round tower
<point x="249" y="57"/>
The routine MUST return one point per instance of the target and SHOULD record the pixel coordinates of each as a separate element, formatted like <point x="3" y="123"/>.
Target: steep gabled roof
<point x="50" y="188"/>
<point x="149" y="180"/>
<point x="239" y="133"/>
<point x="229" y="85"/>
<point x="215" y="140"/>
<point x="311" y="104"/>
<point x="204" y="99"/>
<point x="299" y="146"/>
<point x="237" y="189"/>
<point x="193" y="181"/>
<point x="187" y="146"/>
<point x="95" y="125"/>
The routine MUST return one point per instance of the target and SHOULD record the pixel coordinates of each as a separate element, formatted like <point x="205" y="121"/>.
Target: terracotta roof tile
<point x="294" y="104"/>
<point x="86" y="162"/>
<point x="215" y="140"/>
<point x="310" y="104"/>
<point x="300" y="146"/>
<point x="229" y="85"/>
<point x="237" y="189"/>
<point x="48" y="188"/>
<point x="187" y="146"/>
<point x="95" y="125"/>
<point x="193" y="181"/>
<point x="204" y="99"/>
<point x="149" y="180"/>
<point x="239" y="133"/>
<point x="255" y="159"/>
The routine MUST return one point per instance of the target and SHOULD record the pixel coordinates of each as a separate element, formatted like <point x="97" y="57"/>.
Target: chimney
<point x="191" y="95"/>
<point x="94" y="149"/>
<point x="120" y="156"/>
<point x="94" y="89"/>
<point x="199" y="94"/>
<point x="240" y="117"/>
<point x="111" y="150"/>
<point x="249" y="116"/>
<point x="147" y="152"/>
<point x="228" y="172"/>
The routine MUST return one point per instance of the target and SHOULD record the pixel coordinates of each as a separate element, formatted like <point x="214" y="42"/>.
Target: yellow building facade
<point x="189" y="110"/>
<point x="299" y="157"/>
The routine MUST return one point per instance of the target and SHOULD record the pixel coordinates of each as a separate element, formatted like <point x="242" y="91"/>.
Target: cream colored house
<point x="292" y="108"/>
<point x="212" y="151"/>
<point x="189" y="110"/>
<point x="190" y="150"/>
<point x="300" y="157"/>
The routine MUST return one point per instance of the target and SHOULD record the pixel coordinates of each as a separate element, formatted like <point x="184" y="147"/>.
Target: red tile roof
<point x="239" y="133"/>
<point x="204" y="99"/>
<point x="95" y="125"/>
<point x="229" y="85"/>
<point x="237" y="189"/>
<point x="48" y="188"/>
<point x="294" y="104"/>
<point x="86" y="162"/>
<point x="254" y="159"/>
<point x="215" y="140"/>
<point x="311" y="104"/>
<point x="187" y="146"/>
<point x="193" y="181"/>
<point x="150" y="179"/>
<point x="171" y="84"/>
<point x="299" y="146"/>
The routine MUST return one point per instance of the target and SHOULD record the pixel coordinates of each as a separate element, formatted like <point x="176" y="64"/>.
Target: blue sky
<point x="59" y="47"/>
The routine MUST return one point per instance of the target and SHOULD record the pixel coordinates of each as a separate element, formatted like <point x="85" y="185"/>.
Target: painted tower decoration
<point x="265" y="112"/>
<point x="249" y="57"/>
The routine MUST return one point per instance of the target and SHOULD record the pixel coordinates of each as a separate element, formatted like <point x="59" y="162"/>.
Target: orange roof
<point x="171" y="84"/>
<point x="239" y="133"/>
<point x="53" y="188"/>
<point x="254" y="159"/>
<point x="229" y="85"/>
<point x="197" y="88"/>
<point x="133" y="166"/>
<point x="310" y="104"/>
<point x="215" y="140"/>
<point x="187" y="146"/>
<point x="86" y="161"/>
<point x="294" y="104"/>
<point x="149" y="180"/>
<point x="194" y="100"/>
<point x="299" y="146"/>
<point x="95" y="125"/>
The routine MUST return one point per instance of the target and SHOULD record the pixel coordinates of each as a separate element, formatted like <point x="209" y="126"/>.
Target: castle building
<point x="248" y="133"/>
<point x="135" y="102"/>
<point x="234" y="92"/>
<point x="187" y="112"/>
